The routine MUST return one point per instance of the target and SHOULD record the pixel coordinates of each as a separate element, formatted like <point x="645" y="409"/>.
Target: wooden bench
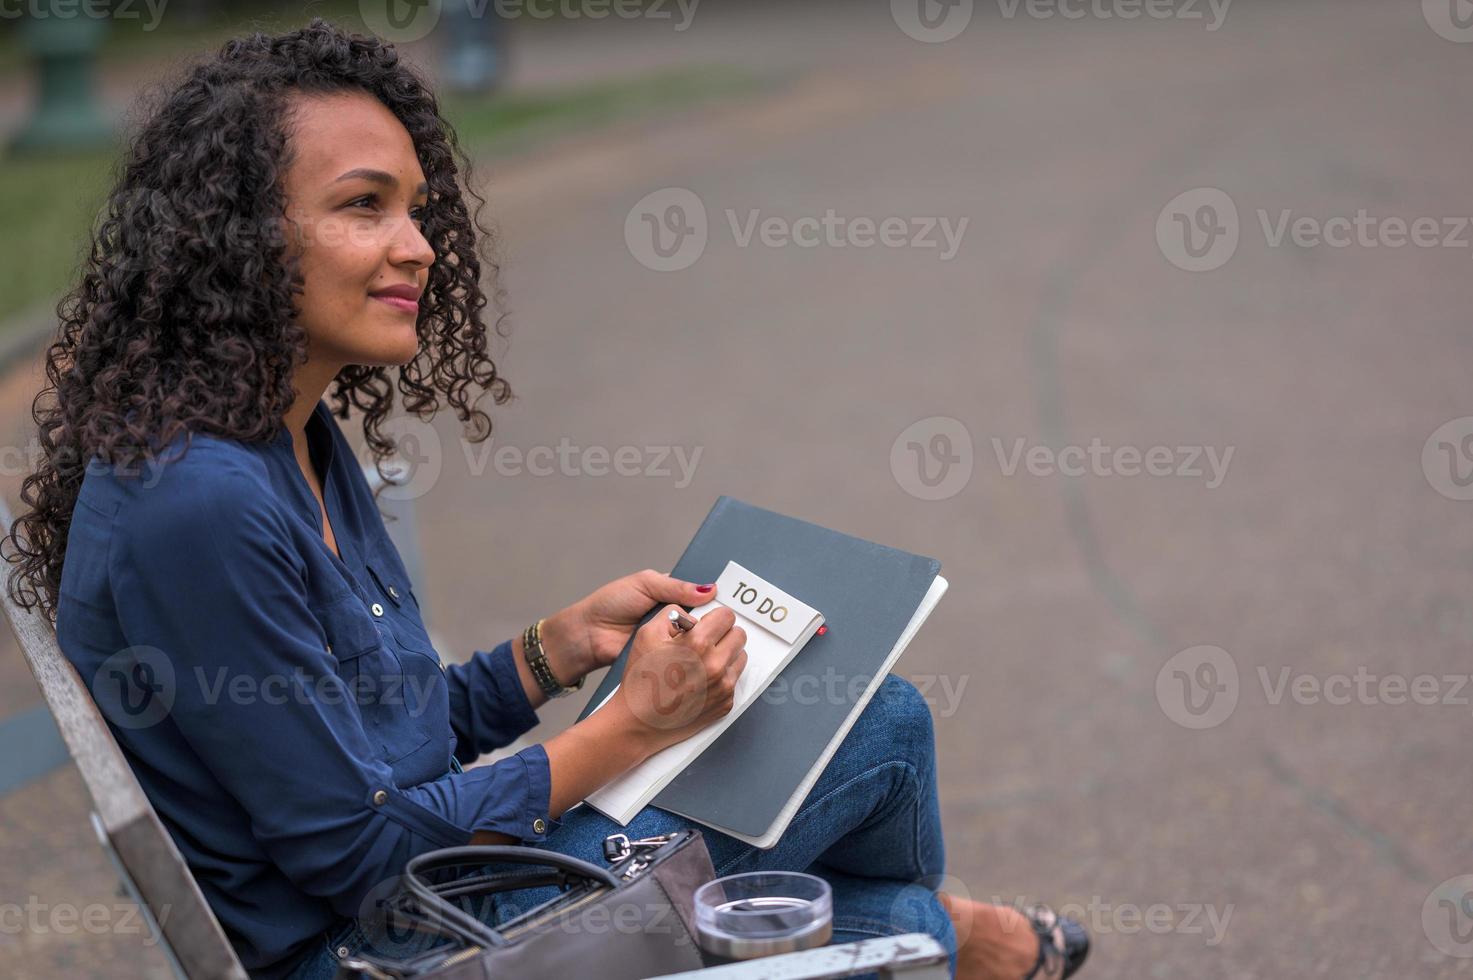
<point x="156" y="877"/>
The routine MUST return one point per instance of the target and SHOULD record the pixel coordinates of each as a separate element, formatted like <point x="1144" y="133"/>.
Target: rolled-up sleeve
<point x="209" y="589"/>
<point x="488" y="704"/>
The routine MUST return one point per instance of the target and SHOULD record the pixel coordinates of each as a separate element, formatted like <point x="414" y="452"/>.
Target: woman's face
<point x="355" y="192"/>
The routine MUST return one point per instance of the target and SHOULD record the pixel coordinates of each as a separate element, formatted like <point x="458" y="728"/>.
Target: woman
<point x="289" y="224"/>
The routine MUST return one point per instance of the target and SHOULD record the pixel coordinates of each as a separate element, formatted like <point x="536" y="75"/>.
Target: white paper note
<point x="777" y="626"/>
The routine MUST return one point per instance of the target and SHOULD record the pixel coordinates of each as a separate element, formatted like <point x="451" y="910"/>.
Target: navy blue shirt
<point x="284" y="709"/>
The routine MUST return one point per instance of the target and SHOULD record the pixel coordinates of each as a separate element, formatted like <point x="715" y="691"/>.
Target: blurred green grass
<point x="48" y="204"/>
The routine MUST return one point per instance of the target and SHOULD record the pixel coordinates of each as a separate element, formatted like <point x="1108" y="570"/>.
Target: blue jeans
<point x="871" y="827"/>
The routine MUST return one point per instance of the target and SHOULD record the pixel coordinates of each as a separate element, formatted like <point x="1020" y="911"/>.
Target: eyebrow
<point x="378" y="177"/>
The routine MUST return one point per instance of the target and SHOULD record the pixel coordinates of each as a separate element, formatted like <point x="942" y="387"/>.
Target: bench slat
<point x="138" y="837"/>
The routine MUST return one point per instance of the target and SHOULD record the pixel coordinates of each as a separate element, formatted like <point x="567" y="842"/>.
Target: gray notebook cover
<point x="867" y="594"/>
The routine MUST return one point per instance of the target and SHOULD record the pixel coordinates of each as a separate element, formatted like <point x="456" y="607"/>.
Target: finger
<point x="734" y="670"/>
<point x="663" y="588"/>
<point x="727" y="648"/>
<point x="660" y="627"/>
<point x="738" y="664"/>
<point x="712" y="627"/>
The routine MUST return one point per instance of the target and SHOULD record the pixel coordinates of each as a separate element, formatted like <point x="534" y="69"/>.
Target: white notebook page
<point x="771" y="644"/>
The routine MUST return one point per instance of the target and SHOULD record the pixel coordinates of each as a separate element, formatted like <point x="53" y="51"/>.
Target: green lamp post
<point x="66" y="115"/>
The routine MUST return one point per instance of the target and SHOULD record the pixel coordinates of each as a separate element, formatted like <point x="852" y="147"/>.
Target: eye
<point x="416" y="214"/>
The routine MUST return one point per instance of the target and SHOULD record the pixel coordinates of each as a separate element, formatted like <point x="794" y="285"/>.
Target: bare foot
<point x="993" y="942"/>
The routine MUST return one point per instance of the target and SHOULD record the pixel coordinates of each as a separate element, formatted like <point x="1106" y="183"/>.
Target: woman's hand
<point x="674" y="686"/>
<point x="590" y="633"/>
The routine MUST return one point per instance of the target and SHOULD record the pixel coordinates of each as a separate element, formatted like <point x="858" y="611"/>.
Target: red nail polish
<point x="705" y="588"/>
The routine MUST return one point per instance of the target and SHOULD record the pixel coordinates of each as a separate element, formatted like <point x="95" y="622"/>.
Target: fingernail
<point x="705" y="588"/>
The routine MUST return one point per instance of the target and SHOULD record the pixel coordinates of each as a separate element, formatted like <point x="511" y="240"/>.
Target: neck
<point x="311" y="384"/>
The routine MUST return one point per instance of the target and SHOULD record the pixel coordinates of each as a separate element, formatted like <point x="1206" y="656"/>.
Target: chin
<point x="397" y="347"/>
<point x="387" y="356"/>
<point x="401" y="356"/>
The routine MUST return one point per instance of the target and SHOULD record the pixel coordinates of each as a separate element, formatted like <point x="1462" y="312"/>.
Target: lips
<point x="402" y="298"/>
<point x="399" y="303"/>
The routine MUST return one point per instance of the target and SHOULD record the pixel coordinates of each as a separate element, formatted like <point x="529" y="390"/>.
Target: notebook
<point x="800" y="792"/>
<point x="752" y="777"/>
<point x="777" y="626"/>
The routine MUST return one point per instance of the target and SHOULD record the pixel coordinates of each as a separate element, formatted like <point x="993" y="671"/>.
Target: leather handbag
<point x="633" y="919"/>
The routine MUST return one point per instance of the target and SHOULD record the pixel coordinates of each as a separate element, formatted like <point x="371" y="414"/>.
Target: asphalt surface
<point x="1206" y="693"/>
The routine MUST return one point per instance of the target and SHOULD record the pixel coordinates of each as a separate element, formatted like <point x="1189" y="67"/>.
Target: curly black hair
<point x="181" y="323"/>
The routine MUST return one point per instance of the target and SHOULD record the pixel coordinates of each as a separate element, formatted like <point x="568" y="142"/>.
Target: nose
<point x="410" y="247"/>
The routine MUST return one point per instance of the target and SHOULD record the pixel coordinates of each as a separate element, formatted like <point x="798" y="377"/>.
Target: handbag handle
<point x="469" y="926"/>
<point x="453" y="857"/>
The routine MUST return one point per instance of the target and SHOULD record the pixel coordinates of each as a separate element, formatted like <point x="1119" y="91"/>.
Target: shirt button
<point x="393" y="592"/>
<point x="539" y="826"/>
<point x="343" y="952"/>
<point x="380" y="798"/>
<point x="378" y="610"/>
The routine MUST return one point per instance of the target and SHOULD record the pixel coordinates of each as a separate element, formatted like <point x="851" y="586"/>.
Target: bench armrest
<point x="915" y="955"/>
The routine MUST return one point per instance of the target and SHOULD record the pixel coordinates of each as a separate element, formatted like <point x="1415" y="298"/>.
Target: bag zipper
<point x="470" y="952"/>
<point x="551" y="913"/>
<point x="617" y="847"/>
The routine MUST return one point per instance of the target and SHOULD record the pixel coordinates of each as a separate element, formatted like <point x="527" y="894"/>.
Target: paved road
<point x="1212" y="812"/>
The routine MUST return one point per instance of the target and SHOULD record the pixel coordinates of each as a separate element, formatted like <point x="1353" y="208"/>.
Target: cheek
<point x="335" y="277"/>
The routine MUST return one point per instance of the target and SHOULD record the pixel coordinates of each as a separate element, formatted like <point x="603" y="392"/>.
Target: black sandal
<point x="1062" y="943"/>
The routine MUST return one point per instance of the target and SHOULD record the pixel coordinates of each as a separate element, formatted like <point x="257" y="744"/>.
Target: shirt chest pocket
<point x="400" y="608"/>
<point x="404" y="707"/>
